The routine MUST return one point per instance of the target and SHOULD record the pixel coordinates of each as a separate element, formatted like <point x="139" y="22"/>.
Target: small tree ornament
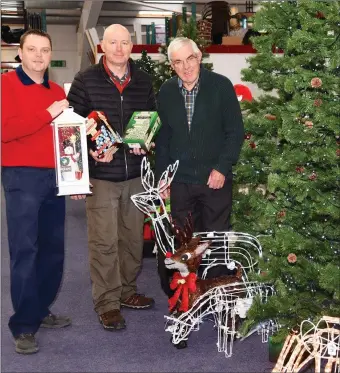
<point x="313" y="176"/>
<point x="316" y="83"/>
<point x="292" y="258"/>
<point x="299" y="169"/>
<point x="318" y="102"/>
<point x="309" y="124"/>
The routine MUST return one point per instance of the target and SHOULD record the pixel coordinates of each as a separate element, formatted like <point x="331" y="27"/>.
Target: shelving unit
<point x="8" y="61"/>
<point x="13" y="14"/>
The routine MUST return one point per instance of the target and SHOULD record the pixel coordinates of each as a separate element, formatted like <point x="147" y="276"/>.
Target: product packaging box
<point x="71" y="155"/>
<point x="232" y="40"/>
<point x="100" y="134"/>
<point x="142" y="129"/>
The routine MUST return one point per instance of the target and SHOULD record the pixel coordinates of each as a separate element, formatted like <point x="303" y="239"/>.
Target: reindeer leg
<point x="181" y="345"/>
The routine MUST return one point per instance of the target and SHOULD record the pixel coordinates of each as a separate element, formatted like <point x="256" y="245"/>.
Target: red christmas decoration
<point x="316" y="83"/>
<point x="338" y="152"/>
<point x="292" y="258"/>
<point x="318" y="102"/>
<point x="148" y="232"/>
<point x="252" y="145"/>
<point x="183" y="286"/>
<point x="243" y="93"/>
<point x="299" y="169"/>
<point x="313" y="176"/>
<point x="308" y="124"/>
<point x="281" y="214"/>
<point x="320" y="15"/>
<point x="247" y="136"/>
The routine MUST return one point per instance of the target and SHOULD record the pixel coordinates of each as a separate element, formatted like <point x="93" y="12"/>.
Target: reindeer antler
<point x="147" y="177"/>
<point x="166" y="177"/>
<point x="185" y="235"/>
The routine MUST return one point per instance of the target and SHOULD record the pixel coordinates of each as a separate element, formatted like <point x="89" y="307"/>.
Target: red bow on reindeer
<point x="183" y="286"/>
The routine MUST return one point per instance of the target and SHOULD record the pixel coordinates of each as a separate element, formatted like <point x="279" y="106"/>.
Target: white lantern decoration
<point x="71" y="155"/>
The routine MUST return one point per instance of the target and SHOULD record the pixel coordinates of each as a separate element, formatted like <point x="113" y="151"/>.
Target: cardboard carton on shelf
<point x="232" y="40"/>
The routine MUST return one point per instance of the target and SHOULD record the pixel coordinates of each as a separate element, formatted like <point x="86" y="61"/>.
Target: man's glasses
<point x="191" y="60"/>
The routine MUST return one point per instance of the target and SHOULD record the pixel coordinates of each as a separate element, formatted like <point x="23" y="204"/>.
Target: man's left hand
<point x="216" y="180"/>
<point x="137" y="151"/>
<point x="140" y="151"/>
<point x="77" y="197"/>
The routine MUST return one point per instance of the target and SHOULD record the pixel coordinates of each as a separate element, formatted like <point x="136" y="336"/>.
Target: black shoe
<point x="112" y="320"/>
<point x="55" y="322"/>
<point x="26" y="343"/>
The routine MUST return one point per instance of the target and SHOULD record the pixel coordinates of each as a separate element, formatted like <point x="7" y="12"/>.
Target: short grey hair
<point x="180" y="42"/>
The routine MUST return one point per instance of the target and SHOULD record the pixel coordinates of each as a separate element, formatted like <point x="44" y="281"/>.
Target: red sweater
<point x="26" y="131"/>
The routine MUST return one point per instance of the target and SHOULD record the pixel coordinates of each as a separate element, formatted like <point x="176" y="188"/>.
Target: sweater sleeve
<point x="162" y="140"/>
<point x="233" y="129"/>
<point x="16" y="124"/>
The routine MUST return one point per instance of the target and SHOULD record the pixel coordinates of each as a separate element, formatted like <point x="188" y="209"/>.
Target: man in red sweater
<point x="35" y="215"/>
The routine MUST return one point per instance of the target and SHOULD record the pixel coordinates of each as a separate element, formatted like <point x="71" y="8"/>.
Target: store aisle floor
<point x="143" y="347"/>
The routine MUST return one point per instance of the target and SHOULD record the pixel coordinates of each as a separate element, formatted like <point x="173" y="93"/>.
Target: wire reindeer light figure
<point x="235" y="250"/>
<point x="224" y="303"/>
<point x="319" y="344"/>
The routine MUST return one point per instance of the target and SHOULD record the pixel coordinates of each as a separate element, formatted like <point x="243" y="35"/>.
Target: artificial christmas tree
<point x="146" y="63"/>
<point x="288" y="173"/>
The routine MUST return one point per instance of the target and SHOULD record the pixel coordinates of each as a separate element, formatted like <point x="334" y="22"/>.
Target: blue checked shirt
<point x="189" y="100"/>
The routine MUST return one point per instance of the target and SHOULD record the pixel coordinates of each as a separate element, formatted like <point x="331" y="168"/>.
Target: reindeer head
<point x="187" y="257"/>
<point x="147" y="201"/>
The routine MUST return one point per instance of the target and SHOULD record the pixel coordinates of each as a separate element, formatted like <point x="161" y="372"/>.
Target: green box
<point x="142" y="129"/>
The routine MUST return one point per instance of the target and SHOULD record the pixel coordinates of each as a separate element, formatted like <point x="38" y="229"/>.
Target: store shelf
<point x="5" y="45"/>
<point x="9" y="65"/>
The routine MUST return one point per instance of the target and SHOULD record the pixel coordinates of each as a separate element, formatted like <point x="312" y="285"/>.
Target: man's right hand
<point x="108" y="156"/>
<point x="166" y="193"/>
<point x="57" y="107"/>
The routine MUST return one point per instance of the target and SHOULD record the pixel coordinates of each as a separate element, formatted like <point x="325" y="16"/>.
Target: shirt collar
<point x="26" y="80"/>
<point x="125" y="76"/>
<point x="181" y="86"/>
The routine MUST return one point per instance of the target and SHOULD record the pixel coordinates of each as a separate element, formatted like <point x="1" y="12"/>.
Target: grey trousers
<point x="115" y="238"/>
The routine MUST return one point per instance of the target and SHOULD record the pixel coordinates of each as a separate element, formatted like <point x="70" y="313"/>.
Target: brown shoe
<point x="137" y="301"/>
<point x="112" y="320"/>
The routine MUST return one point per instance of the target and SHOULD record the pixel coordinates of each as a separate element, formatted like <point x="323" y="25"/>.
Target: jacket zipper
<point x="122" y="126"/>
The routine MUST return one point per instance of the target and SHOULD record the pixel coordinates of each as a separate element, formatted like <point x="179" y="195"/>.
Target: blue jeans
<point x="36" y="222"/>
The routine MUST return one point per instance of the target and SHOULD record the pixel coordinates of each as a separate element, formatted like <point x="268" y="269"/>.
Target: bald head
<point x="117" y="46"/>
<point x="116" y="29"/>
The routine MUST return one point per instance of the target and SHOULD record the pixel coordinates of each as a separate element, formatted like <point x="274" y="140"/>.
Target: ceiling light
<point x="154" y="13"/>
<point x="165" y="2"/>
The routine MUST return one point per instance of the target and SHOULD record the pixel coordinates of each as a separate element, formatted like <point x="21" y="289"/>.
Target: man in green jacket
<point x="202" y="127"/>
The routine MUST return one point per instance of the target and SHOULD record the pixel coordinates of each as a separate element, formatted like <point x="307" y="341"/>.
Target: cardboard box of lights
<point x="142" y="129"/>
<point x="101" y="135"/>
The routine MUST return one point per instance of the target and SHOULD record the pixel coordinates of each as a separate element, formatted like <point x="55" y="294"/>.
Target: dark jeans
<point x="36" y="221"/>
<point x="210" y="209"/>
